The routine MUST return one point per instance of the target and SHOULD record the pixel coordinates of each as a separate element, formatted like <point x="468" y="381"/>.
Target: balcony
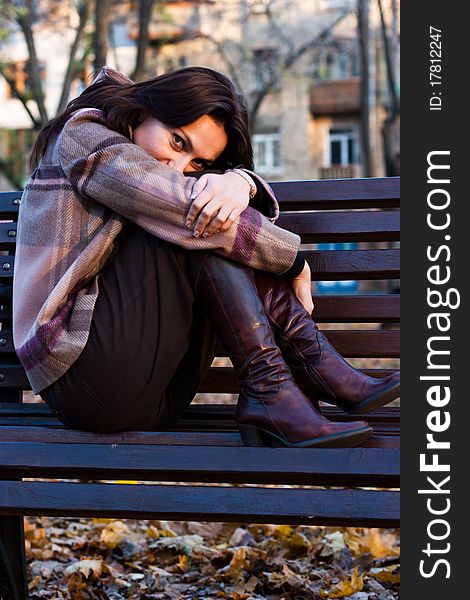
<point x="340" y="172"/>
<point x="339" y="96"/>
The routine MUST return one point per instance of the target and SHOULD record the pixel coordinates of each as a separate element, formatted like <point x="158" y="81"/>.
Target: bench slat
<point x="379" y="308"/>
<point x="361" y="226"/>
<point x="366" y="226"/>
<point x="224" y="381"/>
<point x="353" y="264"/>
<point x="325" y="264"/>
<point x="302" y="466"/>
<point x="204" y="425"/>
<point x="53" y="435"/>
<point x="9" y="204"/>
<point x="358" y="508"/>
<point x="7" y="236"/>
<point x="352" y="308"/>
<point x="220" y="380"/>
<point x="338" y="193"/>
<point x="370" y="343"/>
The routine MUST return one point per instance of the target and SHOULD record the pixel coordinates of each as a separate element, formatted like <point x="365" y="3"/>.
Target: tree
<point x="363" y="8"/>
<point x="290" y="52"/>
<point x="21" y="13"/>
<point x="392" y="92"/>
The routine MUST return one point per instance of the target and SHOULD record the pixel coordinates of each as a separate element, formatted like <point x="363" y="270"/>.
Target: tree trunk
<point x="25" y="23"/>
<point x="84" y="13"/>
<point x="102" y="14"/>
<point x="145" y="13"/>
<point x="392" y="98"/>
<point x="364" y="41"/>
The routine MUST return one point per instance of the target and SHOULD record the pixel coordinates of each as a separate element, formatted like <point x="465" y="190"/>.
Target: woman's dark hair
<point x="176" y="99"/>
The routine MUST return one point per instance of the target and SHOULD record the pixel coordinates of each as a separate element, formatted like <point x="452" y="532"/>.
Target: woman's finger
<point x="209" y="211"/>
<point x="197" y="202"/>
<point x="218" y="221"/>
<point x="197" y="206"/>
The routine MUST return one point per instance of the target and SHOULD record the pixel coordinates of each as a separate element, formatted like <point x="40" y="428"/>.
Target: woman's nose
<point x="180" y="163"/>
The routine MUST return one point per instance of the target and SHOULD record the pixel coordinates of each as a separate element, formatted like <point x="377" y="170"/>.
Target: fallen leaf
<point x="345" y="588"/>
<point x="86" y="567"/>
<point x="286" y="576"/>
<point x="389" y="574"/>
<point x="183" y="563"/>
<point x="114" y="533"/>
<point x="239" y="563"/>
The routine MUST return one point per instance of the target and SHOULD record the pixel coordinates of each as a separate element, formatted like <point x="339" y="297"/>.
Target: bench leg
<point x="13" y="580"/>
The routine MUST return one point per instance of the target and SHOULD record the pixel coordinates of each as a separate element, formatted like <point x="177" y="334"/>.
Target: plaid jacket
<point x="89" y="182"/>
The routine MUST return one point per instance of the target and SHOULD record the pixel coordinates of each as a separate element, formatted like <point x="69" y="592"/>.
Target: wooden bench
<point x="205" y="446"/>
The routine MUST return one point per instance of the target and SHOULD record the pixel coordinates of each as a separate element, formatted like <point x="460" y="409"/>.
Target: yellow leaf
<point x="183" y="563"/>
<point x="379" y="544"/>
<point x="387" y="574"/>
<point x="153" y="532"/>
<point x="238" y="563"/>
<point x="345" y="588"/>
<point x="283" y="532"/>
<point x="86" y="567"/>
<point x="114" y="533"/>
<point x="99" y="520"/>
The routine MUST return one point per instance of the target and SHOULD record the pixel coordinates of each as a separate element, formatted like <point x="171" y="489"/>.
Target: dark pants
<point x="150" y="342"/>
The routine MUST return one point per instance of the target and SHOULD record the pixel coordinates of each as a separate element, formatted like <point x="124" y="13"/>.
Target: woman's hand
<point x="219" y="201"/>
<point x="302" y="286"/>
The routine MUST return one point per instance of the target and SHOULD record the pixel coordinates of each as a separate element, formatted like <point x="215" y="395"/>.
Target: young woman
<point x="144" y="233"/>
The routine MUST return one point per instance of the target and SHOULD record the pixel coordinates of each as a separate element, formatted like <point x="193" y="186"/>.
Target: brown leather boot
<point x="319" y="370"/>
<point x="271" y="408"/>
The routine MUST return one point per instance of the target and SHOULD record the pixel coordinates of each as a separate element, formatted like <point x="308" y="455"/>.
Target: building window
<point x="267" y="152"/>
<point x="258" y="7"/>
<point x="20" y="73"/>
<point x="265" y="68"/>
<point x="343" y="147"/>
<point x="338" y="61"/>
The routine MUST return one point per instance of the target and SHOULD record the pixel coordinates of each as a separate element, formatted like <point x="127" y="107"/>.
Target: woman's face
<point x="189" y="148"/>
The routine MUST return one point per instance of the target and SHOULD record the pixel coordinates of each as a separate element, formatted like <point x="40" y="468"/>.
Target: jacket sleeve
<point x="106" y="166"/>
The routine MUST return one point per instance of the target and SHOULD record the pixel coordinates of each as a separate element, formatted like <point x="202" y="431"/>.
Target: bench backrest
<point x="348" y="210"/>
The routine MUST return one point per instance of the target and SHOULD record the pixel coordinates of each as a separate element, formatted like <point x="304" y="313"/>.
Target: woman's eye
<point x="200" y="165"/>
<point x="178" y="139"/>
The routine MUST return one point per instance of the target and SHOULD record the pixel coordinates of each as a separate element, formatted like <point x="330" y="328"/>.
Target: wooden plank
<point x="358" y="508"/>
<point x="9" y="205"/>
<point x="359" y="308"/>
<point x="377" y="308"/>
<point x="7" y="236"/>
<point x="224" y="381"/>
<point x="352" y="308"/>
<point x="360" y="226"/>
<point x="380" y="192"/>
<point x="13" y="376"/>
<point x="302" y="466"/>
<point x="6" y="267"/>
<point x="6" y="341"/>
<point x="353" y="264"/>
<point x="368" y="343"/>
<point x="195" y="411"/>
<point x="52" y="435"/>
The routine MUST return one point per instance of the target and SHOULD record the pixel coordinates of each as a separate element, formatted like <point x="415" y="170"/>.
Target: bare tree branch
<point x="291" y="58"/>
<point x="21" y="97"/>
<point x="25" y="22"/>
<point x="84" y="9"/>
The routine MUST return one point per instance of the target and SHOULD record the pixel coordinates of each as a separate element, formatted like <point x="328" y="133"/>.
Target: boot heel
<point x="251" y="435"/>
